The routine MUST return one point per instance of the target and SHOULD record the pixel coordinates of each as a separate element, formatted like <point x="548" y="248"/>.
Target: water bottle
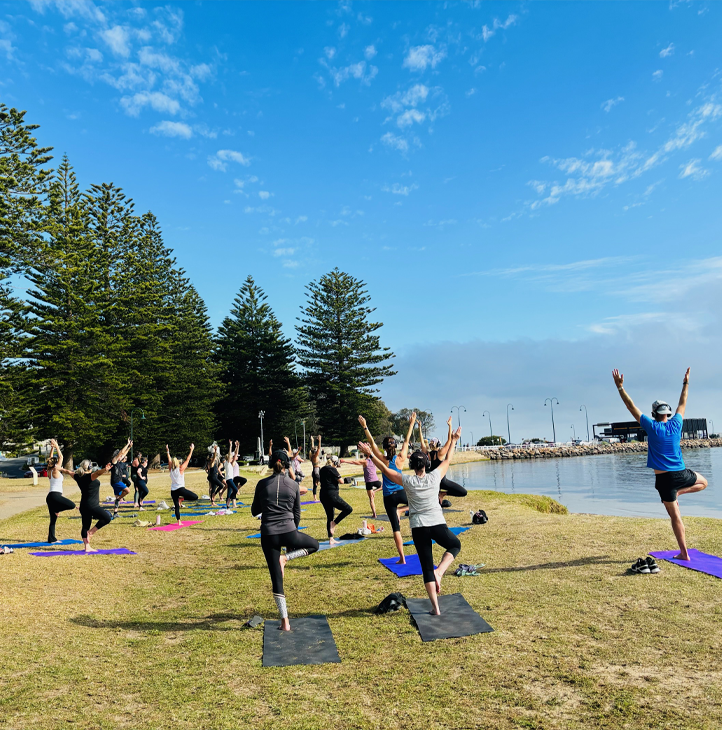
<point x="157" y="519"/>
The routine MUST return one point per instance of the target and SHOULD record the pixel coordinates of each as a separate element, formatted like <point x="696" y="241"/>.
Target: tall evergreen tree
<point x="342" y="356"/>
<point x="258" y="372"/>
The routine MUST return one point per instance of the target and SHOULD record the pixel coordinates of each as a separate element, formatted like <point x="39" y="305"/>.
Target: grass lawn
<point x="156" y="640"/>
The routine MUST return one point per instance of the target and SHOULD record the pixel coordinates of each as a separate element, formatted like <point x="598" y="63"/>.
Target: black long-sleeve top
<point x="278" y="499"/>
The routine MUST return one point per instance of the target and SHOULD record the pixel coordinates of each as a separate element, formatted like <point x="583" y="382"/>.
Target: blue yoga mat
<point x="412" y="566"/>
<point x="455" y="530"/>
<point x="340" y="543"/>
<point x="41" y="544"/>
<point x="258" y="534"/>
<point x="311" y="502"/>
<point x="200" y="514"/>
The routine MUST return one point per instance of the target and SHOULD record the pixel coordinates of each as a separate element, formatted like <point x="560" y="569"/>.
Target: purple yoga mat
<point x="311" y="502"/>
<point x="54" y="553"/>
<point x="699" y="561"/>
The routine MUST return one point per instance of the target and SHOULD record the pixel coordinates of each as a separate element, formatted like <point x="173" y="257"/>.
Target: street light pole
<point x="261" y="414"/>
<point x="587" y="415"/>
<point x="508" y="430"/>
<point x="551" y="402"/>
<point x="458" y="416"/>
<point x="574" y="432"/>
<point x="491" y="430"/>
<point x="142" y="418"/>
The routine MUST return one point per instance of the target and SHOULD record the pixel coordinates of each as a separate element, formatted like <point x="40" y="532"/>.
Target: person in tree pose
<point x="134" y="466"/>
<point x="215" y="483"/>
<point x="238" y="480"/>
<point x="296" y="463"/>
<point x="437" y="454"/>
<point x="330" y="497"/>
<point x="119" y="475"/>
<point x="395" y="500"/>
<point x="178" y="491"/>
<point x="55" y="500"/>
<point x="232" y="489"/>
<point x="371" y="479"/>
<point x="315" y="455"/>
<point x="278" y="500"/>
<point x="664" y="454"/>
<point x="425" y="515"/>
<point x="141" y="481"/>
<point x="90" y="508"/>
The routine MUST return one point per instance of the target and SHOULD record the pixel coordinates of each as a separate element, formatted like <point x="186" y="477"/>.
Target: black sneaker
<point x="652" y="565"/>
<point x="640" y="566"/>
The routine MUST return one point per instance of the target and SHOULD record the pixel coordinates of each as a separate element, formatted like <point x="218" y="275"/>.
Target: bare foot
<point x="89" y="549"/>
<point x="283" y="560"/>
<point x="437" y="580"/>
<point x="180" y="523"/>
<point x="401" y="561"/>
<point x="332" y="527"/>
<point x="682" y="556"/>
<point x="141" y="509"/>
<point x="285" y="625"/>
<point x="435" y="612"/>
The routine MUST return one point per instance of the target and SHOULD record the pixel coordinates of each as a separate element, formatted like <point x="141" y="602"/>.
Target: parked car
<point x="41" y="469"/>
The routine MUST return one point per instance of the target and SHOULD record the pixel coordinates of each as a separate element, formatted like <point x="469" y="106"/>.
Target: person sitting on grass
<point x="664" y="454"/>
<point x="178" y="491"/>
<point x="425" y="514"/>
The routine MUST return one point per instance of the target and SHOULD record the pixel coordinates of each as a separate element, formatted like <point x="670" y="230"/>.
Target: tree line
<point x="100" y="327"/>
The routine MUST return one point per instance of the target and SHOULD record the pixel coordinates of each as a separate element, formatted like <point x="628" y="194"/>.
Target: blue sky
<point x="530" y="190"/>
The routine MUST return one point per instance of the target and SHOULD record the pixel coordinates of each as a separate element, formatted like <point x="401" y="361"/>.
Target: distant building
<point x="692" y="428"/>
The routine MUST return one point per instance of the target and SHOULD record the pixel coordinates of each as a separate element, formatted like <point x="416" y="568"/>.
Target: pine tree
<point x="342" y="355"/>
<point x="258" y="372"/>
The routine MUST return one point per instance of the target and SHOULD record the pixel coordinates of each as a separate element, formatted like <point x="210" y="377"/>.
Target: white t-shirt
<point x="423" y="495"/>
<point x="236" y="469"/>
<point x="177" y="480"/>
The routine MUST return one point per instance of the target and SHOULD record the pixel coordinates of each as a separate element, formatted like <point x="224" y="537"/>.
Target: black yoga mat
<point x="309" y="641"/>
<point x="457" y="618"/>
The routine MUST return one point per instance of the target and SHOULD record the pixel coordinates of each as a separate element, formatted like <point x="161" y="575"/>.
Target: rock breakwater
<point x="556" y="452"/>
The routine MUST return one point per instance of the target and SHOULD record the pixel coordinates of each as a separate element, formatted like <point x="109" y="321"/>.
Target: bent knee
<point x="701" y="480"/>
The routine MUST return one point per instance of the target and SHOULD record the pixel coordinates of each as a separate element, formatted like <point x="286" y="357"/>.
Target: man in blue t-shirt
<point x="665" y="456"/>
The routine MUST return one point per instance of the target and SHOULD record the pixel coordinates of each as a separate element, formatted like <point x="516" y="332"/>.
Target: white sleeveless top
<point x="56" y="484"/>
<point x="236" y="469"/>
<point x="177" y="480"/>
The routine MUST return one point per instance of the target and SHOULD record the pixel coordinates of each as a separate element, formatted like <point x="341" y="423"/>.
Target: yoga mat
<point x="41" y="544"/>
<point x="411" y="567"/>
<point x="326" y="546"/>
<point x="202" y="514"/>
<point x="699" y="561"/>
<point x="449" y="509"/>
<point x="309" y="641"/>
<point x="170" y="528"/>
<point x="311" y="502"/>
<point x="457" y="618"/>
<point x="383" y="518"/>
<point x="258" y="534"/>
<point x="126" y="501"/>
<point x="54" y="553"/>
<point x="455" y="530"/>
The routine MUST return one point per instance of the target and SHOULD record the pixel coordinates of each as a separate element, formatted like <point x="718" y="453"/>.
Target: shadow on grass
<point x="209" y="623"/>
<point x="581" y="562"/>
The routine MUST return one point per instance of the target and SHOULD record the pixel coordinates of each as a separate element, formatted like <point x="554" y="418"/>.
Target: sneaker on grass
<point x="640" y="566"/>
<point x="652" y="565"/>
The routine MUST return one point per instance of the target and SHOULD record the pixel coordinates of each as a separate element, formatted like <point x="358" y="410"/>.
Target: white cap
<point x="661" y="408"/>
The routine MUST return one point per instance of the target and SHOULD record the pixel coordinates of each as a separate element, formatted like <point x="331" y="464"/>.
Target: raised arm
<point x="424" y="445"/>
<point x="122" y="452"/>
<point x="372" y="444"/>
<point x="619" y="382"/>
<point x="355" y="462"/>
<point x="99" y="472"/>
<point x="54" y="445"/>
<point x="235" y="452"/>
<point x="167" y="454"/>
<point x="405" y="447"/>
<point x="184" y="465"/>
<point x="270" y="448"/>
<point x="391" y="474"/>
<point x="683" y="397"/>
<point x="445" y="447"/>
<point x="446" y="463"/>
<point x="289" y="450"/>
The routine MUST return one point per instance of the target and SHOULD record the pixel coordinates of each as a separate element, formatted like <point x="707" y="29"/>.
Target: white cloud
<point x="343" y="30"/>
<point x="156" y="100"/>
<point x="360" y="71"/>
<point x="284" y="252"/>
<point x="71" y="9"/>
<point x="330" y="52"/>
<point x="487" y="32"/>
<point x="717" y="154"/>
<point x="397" y="143"/>
<point x="416" y="95"/>
<point x="397" y="189"/>
<point x="409" y="117"/>
<point x="693" y="170"/>
<point x="172" y="129"/>
<point x="220" y="160"/>
<point x="668" y="51"/>
<point x="264" y="194"/>
<point x="419" y="57"/>
<point x="301" y="219"/>
<point x="609" y="104"/>
<point x="117" y="39"/>
<point x="657" y="75"/>
<point x="369" y="52"/>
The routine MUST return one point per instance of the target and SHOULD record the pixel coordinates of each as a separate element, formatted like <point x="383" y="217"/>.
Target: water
<point x="605" y="485"/>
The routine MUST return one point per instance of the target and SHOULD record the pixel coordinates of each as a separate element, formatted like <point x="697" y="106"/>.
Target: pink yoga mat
<point x="170" y="528"/>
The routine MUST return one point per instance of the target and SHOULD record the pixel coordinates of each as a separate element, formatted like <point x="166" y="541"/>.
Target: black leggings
<point x="292" y="541"/>
<point x="452" y="488"/>
<point x="187" y="495"/>
<point x="87" y="513"/>
<point x="422" y="542"/>
<point x="142" y="486"/>
<point x="391" y="501"/>
<point x="331" y="500"/>
<point x="216" y="486"/>
<point x="56" y="503"/>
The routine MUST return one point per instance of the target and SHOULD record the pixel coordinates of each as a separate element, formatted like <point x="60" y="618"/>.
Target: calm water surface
<point x="606" y="485"/>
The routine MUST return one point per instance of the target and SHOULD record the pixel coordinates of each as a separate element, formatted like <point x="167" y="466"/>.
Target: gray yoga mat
<point x="309" y="641"/>
<point x="457" y="618"/>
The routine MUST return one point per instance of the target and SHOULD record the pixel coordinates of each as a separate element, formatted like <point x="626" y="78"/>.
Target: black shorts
<point x="370" y="486"/>
<point x="669" y="482"/>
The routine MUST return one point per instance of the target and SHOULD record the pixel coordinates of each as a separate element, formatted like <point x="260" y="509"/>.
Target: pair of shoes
<point x="645" y="566"/>
<point x="7" y="550"/>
